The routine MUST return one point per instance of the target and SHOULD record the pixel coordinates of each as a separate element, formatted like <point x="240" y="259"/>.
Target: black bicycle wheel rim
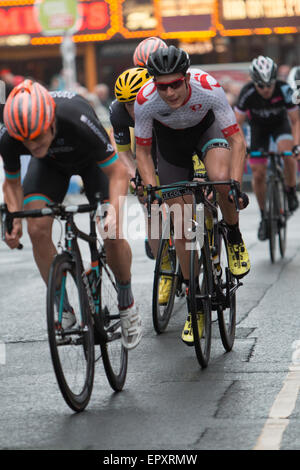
<point x="77" y="399"/>
<point x="161" y="313"/>
<point x="272" y="223"/>
<point x="200" y="262"/>
<point x="114" y="355"/>
<point x="227" y="310"/>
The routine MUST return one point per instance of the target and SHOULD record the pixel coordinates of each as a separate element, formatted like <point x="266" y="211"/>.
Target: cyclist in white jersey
<point x="189" y="113"/>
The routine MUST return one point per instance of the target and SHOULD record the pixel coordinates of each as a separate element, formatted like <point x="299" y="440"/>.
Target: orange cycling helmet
<point x="145" y="48"/>
<point x="29" y="111"/>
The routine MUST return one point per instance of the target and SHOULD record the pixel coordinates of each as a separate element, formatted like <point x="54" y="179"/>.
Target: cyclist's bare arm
<point x="240" y="117"/>
<point x="145" y="164"/>
<point x="238" y="155"/>
<point x="295" y="123"/>
<point x="13" y="197"/>
<point x="128" y="160"/>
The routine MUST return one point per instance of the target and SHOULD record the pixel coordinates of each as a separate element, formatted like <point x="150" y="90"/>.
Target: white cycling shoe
<point x="68" y="320"/>
<point x="131" y="325"/>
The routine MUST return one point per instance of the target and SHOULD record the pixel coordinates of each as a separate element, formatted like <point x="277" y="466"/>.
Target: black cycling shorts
<point x="260" y="137"/>
<point x="49" y="182"/>
<point x="171" y="172"/>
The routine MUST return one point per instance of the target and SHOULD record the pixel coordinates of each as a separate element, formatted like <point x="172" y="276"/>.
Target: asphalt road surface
<point x="246" y="399"/>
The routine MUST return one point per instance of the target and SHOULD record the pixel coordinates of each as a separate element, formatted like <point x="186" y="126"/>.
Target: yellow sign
<point x="252" y="9"/>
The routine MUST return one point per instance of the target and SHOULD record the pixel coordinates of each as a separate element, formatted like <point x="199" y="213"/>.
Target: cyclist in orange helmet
<point x="61" y="132"/>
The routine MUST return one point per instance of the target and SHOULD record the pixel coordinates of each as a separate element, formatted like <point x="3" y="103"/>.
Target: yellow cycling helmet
<point x="129" y="83"/>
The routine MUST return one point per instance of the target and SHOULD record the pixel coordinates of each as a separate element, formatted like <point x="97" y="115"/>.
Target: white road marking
<point x="283" y="406"/>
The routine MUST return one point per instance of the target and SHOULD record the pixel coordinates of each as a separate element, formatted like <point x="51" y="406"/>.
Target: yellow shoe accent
<point x="164" y="290"/>
<point x="239" y="263"/>
<point x="187" y="335"/>
<point x="165" y="283"/>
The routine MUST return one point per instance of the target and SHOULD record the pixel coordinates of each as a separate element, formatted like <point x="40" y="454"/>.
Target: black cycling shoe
<point x="262" y="230"/>
<point x="292" y="198"/>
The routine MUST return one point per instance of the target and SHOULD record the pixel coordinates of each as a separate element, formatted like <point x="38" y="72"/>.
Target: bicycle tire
<point x="73" y="347"/>
<point x="200" y="263"/>
<point x="226" y="309"/>
<point x="161" y="313"/>
<point x="282" y="205"/>
<point x="114" y="355"/>
<point x="271" y="219"/>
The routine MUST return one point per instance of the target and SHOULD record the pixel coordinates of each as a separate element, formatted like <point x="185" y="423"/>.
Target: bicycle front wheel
<point x="200" y="300"/>
<point x="72" y="348"/>
<point x="282" y="209"/>
<point x="114" y="355"/>
<point x="165" y="282"/>
<point x="272" y="219"/>
<point x="226" y="296"/>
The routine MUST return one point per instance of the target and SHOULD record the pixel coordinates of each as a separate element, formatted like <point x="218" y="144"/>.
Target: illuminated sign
<point x="180" y="18"/>
<point x="260" y="14"/>
<point x="20" y="18"/>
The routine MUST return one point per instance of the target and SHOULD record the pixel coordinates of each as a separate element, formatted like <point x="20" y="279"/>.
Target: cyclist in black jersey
<point x="268" y="105"/>
<point x="63" y="135"/>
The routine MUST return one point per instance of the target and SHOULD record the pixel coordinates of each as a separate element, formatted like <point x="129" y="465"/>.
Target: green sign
<point x="57" y="16"/>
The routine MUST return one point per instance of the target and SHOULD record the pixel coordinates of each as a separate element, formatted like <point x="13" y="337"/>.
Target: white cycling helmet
<point x="294" y="78"/>
<point x="263" y="70"/>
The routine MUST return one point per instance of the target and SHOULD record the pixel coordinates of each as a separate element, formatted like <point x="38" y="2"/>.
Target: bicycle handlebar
<point x="53" y="209"/>
<point x="195" y="186"/>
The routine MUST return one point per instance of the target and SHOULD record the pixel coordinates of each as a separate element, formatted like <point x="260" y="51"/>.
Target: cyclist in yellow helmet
<point x="127" y="86"/>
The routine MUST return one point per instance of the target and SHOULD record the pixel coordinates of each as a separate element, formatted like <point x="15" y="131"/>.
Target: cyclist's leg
<point x="119" y="258"/>
<point x="284" y="141"/>
<point x="43" y="183"/>
<point x="217" y="159"/>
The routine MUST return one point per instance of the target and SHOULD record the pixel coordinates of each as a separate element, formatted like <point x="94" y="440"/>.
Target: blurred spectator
<point x="101" y="110"/>
<point x="57" y="83"/>
<point x="283" y="71"/>
<point x="102" y="92"/>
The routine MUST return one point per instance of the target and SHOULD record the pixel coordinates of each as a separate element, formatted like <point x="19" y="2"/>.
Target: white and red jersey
<point x="205" y="94"/>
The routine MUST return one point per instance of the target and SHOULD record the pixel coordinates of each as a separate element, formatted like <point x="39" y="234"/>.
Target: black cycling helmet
<point x="165" y="61"/>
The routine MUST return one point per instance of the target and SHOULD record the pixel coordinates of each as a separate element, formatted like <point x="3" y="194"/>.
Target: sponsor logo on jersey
<point x="207" y="81"/>
<point x="93" y="127"/>
<point x="145" y="92"/>
<point x="196" y="107"/>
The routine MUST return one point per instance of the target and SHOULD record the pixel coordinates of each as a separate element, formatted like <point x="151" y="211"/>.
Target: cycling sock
<point x="125" y="295"/>
<point x="234" y="236"/>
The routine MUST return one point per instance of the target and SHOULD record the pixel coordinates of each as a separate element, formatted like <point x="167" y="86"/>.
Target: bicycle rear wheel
<point x="161" y="311"/>
<point x="114" y="355"/>
<point x="226" y="296"/>
<point x="282" y="209"/>
<point x="272" y="219"/>
<point x="200" y="299"/>
<point x="72" y="350"/>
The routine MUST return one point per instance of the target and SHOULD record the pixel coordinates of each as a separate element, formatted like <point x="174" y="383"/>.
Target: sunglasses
<point x="174" y="84"/>
<point x="262" y="85"/>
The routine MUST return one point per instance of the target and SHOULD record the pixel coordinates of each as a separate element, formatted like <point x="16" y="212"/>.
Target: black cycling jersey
<point x="266" y="112"/>
<point x="80" y="143"/>
<point x="121" y="121"/>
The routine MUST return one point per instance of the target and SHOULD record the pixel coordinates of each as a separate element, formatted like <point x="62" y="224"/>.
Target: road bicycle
<point x="91" y="296"/>
<point x="211" y="284"/>
<point x="276" y="210"/>
<point x="162" y="311"/>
